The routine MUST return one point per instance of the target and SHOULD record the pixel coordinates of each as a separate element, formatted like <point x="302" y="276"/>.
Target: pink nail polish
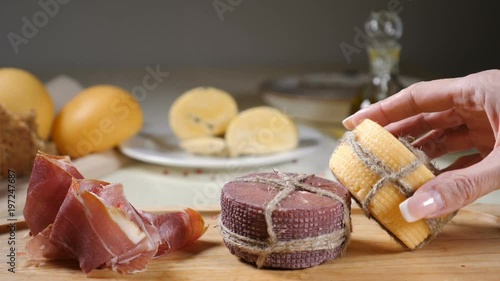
<point x="421" y="205"/>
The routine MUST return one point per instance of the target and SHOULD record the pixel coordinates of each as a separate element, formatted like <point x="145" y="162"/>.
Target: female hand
<point x="446" y="116"/>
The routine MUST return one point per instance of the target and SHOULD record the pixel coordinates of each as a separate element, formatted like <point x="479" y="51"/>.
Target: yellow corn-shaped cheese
<point x="351" y="171"/>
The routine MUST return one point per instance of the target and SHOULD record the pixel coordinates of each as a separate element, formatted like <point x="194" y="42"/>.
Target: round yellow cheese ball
<point x="98" y="118"/>
<point x="21" y="92"/>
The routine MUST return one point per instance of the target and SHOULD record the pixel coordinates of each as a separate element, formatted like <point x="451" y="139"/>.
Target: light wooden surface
<point x="468" y="249"/>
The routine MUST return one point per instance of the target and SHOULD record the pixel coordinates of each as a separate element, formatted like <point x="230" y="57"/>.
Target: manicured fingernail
<point x="421" y="205"/>
<point x="348" y="123"/>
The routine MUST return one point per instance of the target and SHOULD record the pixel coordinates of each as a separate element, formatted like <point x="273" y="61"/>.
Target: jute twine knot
<point x="395" y="177"/>
<point x="287" y="184"/>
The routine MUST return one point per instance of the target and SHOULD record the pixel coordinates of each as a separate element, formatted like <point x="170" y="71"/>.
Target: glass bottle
<point x="384" y="29"/>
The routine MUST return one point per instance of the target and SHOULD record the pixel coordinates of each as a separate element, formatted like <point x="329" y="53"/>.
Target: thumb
<point x="453" y="190"/>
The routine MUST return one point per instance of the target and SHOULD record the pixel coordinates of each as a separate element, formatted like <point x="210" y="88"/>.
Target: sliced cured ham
<point x="175" y="229"/>
<point x="96" y="225"/>
<point x="49" y="182"/>
<point x="96" y="232"/>
<point x="39" y="248"/>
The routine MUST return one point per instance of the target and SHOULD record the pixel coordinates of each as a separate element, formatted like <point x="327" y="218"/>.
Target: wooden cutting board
<point x="467" y="249"/>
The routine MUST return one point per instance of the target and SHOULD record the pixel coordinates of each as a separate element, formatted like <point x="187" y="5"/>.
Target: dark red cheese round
<point x="300" y="215"/>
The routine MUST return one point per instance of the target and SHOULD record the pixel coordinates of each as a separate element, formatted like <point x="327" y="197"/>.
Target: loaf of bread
<point x="19" y="142"/>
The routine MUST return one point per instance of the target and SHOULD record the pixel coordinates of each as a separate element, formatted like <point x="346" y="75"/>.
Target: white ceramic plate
<point x="163" y="149"/>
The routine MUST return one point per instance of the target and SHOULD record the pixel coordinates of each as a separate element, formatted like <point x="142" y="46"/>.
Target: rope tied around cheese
<point x="387" y="175"/>
<point x="287" y="184"/>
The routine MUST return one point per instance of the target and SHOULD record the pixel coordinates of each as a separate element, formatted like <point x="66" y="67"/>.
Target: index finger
<point x="432" y="96"/>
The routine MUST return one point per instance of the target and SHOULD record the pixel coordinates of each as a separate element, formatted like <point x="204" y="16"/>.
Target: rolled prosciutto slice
<point x="49" y="182"/>
<point x="97" y="232"/>
<point x="96" y="225"/>
<point x="176" y="229"/>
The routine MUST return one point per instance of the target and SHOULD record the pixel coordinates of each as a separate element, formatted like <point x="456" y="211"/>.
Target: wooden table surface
<point x="467" y="249"/>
